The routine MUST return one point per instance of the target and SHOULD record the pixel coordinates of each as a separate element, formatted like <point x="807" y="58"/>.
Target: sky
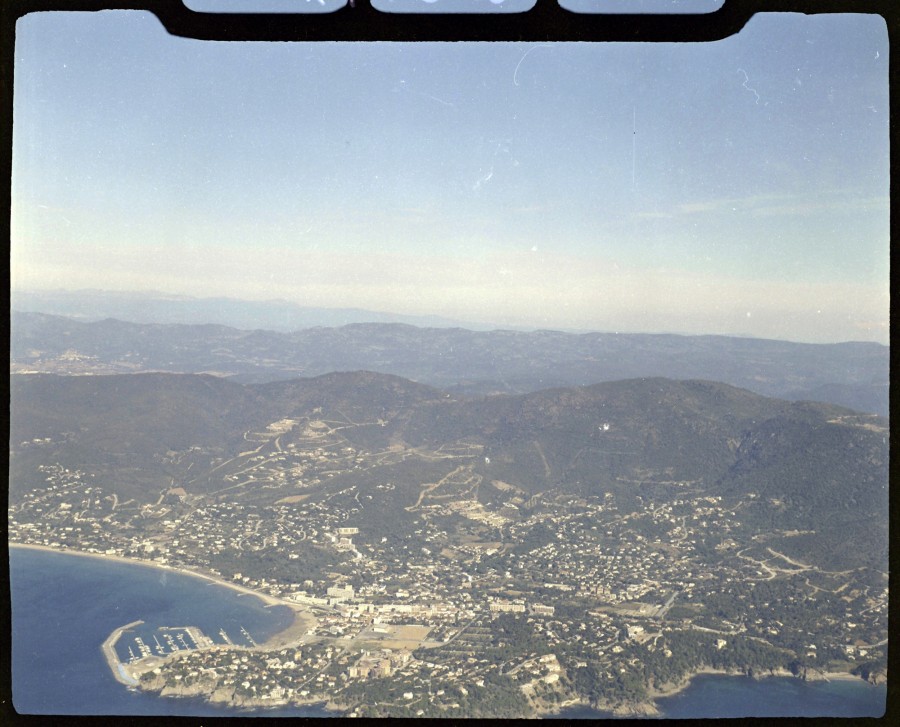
<point x="739" y="187"/>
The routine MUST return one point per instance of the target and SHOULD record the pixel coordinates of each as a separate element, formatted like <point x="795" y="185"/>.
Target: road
<point x="667" y="605"/>
<point x="439" y="644"/>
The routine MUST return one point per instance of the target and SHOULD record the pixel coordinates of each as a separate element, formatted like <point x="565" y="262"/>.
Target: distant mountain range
<point x="812" y="467"/>
<point x="155" y="307"/>
<point x="460" y="361"/>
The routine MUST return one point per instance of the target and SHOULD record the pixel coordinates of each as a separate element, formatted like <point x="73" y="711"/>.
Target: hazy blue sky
<point x="733" y="187"/>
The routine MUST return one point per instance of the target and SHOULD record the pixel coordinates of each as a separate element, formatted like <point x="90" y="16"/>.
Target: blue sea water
<point x="65" y="606"/>
<point x="714" y="696"/>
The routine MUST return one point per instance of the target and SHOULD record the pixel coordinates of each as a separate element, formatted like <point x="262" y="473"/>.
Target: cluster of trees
<point x="537" y="536"/>
<point x="500" y="697"/>
<point x="512" y="635"/>
<point x="619" y="686"/>
<point x="786" y="602"/>
<point x="689" y="650"/>
<point x="674" y="658"/>
<point x="871" y="670"/>
<point x="274" y="564"/>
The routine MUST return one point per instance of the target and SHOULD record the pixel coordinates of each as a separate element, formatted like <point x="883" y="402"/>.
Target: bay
<point x="711" y="696"/>
<point x="64" y="606"/>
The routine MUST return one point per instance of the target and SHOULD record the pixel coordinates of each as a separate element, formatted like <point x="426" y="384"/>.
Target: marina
<point x="163" y="641"/>
<point x="66" y="661"/>
<point x="248" y="636"/>
<point x="175" y="639"/>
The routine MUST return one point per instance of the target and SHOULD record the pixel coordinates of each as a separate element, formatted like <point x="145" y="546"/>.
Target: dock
<point x="112" y="658"/>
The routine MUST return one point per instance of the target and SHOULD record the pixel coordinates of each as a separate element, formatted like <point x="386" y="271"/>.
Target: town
<point x="482" y="599"/>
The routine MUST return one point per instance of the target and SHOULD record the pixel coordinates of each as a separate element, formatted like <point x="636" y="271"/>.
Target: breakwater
<point x="112" y="658"/>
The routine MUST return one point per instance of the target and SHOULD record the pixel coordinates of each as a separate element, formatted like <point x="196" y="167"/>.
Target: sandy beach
<point x="268" y="599"/>
<point x="303" y="619"/>
<point x="840" y="675"/>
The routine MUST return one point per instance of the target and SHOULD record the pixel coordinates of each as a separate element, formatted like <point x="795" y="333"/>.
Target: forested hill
<point x="804" y="466"/>
<point x="455" y="359"/>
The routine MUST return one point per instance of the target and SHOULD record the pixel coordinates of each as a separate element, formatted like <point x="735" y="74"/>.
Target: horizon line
<point x="451" y="325"/>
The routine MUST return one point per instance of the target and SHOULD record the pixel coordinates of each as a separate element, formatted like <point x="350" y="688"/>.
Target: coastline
<point x="293" y="632"/>
<point x="301" y="616"/>
<point x="840" y="676"/>
<point x="650" y="707"/>
<point x="553" y="711"/>
<point x="671" y="689"/>
<point x="268" y="599"/>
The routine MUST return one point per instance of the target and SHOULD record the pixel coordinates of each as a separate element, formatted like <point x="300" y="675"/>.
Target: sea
<point x="65" y="606"/>
<point x="711" y="696"/>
